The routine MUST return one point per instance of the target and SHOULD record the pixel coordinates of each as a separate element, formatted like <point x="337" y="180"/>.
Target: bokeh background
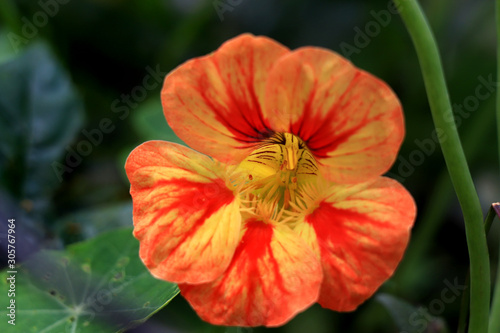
<point x="105" y="49"/>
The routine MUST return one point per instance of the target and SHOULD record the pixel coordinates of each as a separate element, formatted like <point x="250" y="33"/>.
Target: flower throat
<point x="277" y="169"/>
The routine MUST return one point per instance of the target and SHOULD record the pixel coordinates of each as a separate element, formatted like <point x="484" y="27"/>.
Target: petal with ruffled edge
<point x="350" y="120"/>
<point x="213" y="103"/>
<point x="185" y="217"/>
<point x="360" y="232"/>
<point x="273" y="276"/>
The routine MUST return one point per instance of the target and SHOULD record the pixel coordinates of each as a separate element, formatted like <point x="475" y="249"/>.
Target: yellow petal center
<point x="273" y="175"/>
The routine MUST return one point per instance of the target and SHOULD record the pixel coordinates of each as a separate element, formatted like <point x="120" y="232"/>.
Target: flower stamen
<point x="275" y="170"/>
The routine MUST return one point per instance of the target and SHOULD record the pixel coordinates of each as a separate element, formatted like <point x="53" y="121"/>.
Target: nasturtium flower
<point x="281" y="201"/>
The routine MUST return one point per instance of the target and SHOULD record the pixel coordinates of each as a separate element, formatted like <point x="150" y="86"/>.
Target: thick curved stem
<point x="456" y="163"/>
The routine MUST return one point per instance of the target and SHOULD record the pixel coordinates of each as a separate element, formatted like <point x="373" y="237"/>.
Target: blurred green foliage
<point x="95" y="286"/>
<point x="74" y="71"/>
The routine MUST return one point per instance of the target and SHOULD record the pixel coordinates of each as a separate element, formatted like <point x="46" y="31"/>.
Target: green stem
<point x="456" y="163"/>
<point x="431" y="219"/>
<point x="464" y="306"/>
<point x="495" y="306"/>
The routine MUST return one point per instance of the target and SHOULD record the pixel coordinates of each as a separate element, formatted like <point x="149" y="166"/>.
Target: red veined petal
<point x="361" y="232"/>
<point x="273" y="276"/>
<point x="213" y="103"/>
<point x="185" y="217"/>
<point x="350" y="120"/>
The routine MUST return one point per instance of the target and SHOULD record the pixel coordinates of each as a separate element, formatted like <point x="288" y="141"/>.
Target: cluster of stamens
<point x="276" y="178"/>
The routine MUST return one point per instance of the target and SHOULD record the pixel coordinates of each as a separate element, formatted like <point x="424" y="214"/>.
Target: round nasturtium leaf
<point x="99" y="285"/>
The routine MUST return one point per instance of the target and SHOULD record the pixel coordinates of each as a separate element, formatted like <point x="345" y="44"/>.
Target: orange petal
<point x="273" y="276"/>
<point x="361" y="233"/>
<point x="350" y="120"/>
<point x="213" y="103"/>
<point x="185" y="217"/>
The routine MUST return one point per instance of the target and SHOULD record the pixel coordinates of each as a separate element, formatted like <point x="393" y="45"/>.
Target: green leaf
<point x="40" y="114"/>
<point x="95" y="286"/>
<point x="410" y="319"/>
<point x="150" y="123"/>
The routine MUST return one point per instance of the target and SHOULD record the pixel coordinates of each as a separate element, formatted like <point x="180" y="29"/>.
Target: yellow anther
<point x="291" y="151"/>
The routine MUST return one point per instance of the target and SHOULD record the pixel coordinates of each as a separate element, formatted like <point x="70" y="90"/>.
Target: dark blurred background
<point x="108" y="48"/>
